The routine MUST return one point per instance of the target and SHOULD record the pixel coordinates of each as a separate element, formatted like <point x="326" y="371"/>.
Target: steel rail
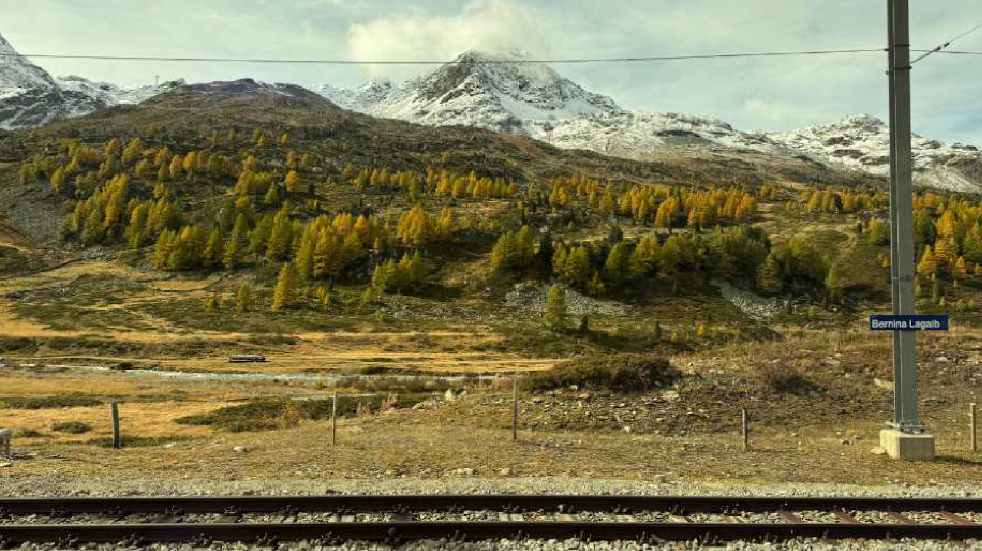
<point x="64" y="534"/>
<point x="403" y="503"/>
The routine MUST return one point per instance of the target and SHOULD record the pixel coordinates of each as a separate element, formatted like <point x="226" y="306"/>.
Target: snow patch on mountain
<point x="495" y="91"/>
<point x="643" y="135"/>
<point x="863" y="142"/>
<point x="30" y="97"/>
<point x="16" y="72"/>
<point x="492" y="91"/>
<point x="361" y="99"/>
<point x="488" y="90"/>
<point x="111" y="94"/>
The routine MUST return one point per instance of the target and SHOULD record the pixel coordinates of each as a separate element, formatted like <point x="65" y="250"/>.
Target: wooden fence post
<point x="744" y="429"/>
<point x="972" y="429"/>
<point x="117" y="437"/>
<point x="6" y="435"/>
<point x="334" y="420"/>
<point x="514" y="412"/>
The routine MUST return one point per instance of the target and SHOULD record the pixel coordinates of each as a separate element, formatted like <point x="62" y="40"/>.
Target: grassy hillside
<point x="273" y="211"/>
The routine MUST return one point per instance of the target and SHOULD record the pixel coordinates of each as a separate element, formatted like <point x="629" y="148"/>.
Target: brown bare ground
<point x="795" y="439"/>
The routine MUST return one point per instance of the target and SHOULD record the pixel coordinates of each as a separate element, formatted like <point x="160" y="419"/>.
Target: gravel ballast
<point x="109" y="486"/>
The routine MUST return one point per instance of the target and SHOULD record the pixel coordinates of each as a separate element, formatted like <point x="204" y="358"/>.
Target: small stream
<point x="332" y="379"/>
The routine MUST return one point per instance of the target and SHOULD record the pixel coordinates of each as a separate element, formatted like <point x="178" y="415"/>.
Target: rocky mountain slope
<point x="16" y="72"/>
<point x="863" y="142"/>
<point x="486" y="91"/>
<point x="479" y="89"/>
<point x="29" y="96"/>
<point x="491" y="91"/>
<point x="111" y="94"/>
<point x="187" y="115"/>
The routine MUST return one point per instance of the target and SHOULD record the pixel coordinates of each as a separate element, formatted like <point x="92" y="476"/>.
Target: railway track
<point x="394" y="519"/>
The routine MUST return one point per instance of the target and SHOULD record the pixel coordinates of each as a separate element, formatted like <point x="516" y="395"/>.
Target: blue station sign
<point x="910" y="322"/>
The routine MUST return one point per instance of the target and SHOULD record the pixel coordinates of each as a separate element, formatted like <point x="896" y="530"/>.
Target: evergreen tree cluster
<point x="825" y="200"/>
<point x="613" y="268"/>
<point x="663" y="206"/>
<point x="434" y="182"/>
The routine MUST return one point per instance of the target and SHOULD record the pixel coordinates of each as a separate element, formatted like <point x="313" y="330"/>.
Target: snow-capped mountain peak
<point x="16" y="72"/>
<point x="862" y="142"/>
<point x="362" y="98"/>
<point x="30" y="97"/>
<point x="495" y="90"/>
<point x="527" y="91"/>
<point x="486" y="89"/>
<point x="111" y="94"/>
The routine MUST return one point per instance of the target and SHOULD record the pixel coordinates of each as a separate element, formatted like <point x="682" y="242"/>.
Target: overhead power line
<point x="953" y="52"/>
<point x="944" y="45"/>
<point x="456" y="61"/>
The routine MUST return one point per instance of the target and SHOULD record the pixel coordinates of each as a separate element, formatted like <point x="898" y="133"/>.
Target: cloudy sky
<point x="771" y="93"/>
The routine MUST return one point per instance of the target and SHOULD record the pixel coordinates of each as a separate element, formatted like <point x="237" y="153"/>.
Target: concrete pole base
<point x="907" y="447"/>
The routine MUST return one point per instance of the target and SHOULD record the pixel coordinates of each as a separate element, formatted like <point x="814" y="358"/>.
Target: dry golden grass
<point x="444" y="350"/>
<point x="153" y="420"/>
<point x="185" y="285"/>
<point x="400" y="444"/>
<point x="430" y="443"/>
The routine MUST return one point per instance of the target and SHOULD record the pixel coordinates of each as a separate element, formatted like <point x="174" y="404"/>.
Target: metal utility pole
<point x="906" y="418"/>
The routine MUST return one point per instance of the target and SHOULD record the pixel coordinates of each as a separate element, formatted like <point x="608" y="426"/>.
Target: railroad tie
<point x="955" y="519"/>
<point x="899" y="518"/>
<point x="791" y="518"/>
<point x="845" y="518"/>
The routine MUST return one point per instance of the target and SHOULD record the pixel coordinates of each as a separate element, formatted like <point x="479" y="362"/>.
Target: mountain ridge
<point x="30" y="96"/>
<point x="17" y="72"/>
<point x="497" y="91"/>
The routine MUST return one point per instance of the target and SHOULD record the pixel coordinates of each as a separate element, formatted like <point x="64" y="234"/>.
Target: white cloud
<point x="418" y="34"/>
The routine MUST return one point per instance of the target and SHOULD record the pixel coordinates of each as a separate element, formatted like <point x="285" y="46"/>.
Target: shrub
<point x="71" y="427"/>
<point x="48" y="402"/>
<point x="274" y="414"/>
<point x="787" y="380"/>
<point x="621" y="373"/>
<point x="131" y="441"/>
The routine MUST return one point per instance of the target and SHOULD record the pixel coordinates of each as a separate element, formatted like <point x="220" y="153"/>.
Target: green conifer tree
<point x="616" y="266"/>
<point x="556" y="315"/>
<point x="243" y="298"/>
<point x="504" y="253"/>
<point x="237" y="243"/>
<point x="769" y="276"/>
<point x="280" y="237"/>
<point x="285" y="292"/>
<point x="214" y="252"/>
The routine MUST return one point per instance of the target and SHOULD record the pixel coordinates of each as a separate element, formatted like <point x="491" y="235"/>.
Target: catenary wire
<point x="944" y="45"/>
<point x="451" y="62"/>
